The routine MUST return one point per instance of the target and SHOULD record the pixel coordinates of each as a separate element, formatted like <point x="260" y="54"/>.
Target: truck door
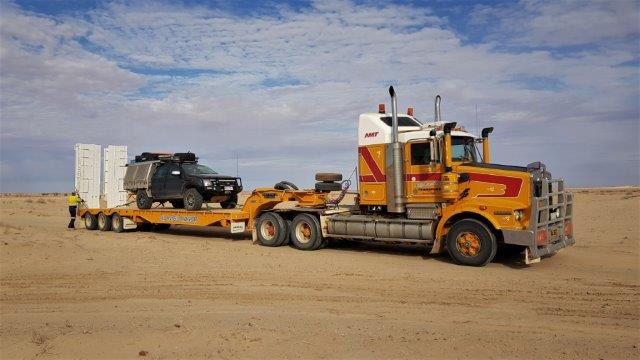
<point x="157" y="181"/>
<point x="173" y="181"/>
<point x="422" y="171"/>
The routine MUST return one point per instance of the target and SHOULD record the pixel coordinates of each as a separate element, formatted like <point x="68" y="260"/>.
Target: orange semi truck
<point x="418" y="183"/>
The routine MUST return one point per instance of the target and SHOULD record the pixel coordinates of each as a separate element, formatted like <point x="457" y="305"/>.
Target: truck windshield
<point x="463" y="149"/>
<point x="195" y="169"/>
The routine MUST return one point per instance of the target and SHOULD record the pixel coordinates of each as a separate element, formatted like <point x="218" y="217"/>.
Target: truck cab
<point x="414" y="175"/>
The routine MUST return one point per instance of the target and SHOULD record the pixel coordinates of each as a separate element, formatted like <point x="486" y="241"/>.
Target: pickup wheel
<point x="104" y="222"/>
<point x="471" y="243"/>
<point x="143" y="200"/>
<point x="272" y="229"/>
<point x="177" y="204"/>
<point x="117" y="223"/>
<point x="230" y="203"/>
<point x="90" y="222"/>
<point x="192" y="199"/>
<point x="305" y="232"/>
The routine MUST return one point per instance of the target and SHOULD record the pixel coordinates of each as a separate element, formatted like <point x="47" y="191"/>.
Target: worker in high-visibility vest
<point x="73" y="200"/>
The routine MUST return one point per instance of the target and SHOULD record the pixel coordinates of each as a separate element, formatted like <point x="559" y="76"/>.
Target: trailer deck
<point x="237" y="220"/>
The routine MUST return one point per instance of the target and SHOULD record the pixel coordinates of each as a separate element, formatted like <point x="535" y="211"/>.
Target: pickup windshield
<point x="195" y="169"/>
<point x="463" y="149"/>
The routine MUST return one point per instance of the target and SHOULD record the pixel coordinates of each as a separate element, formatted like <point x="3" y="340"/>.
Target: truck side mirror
<point x="175" y="172"/>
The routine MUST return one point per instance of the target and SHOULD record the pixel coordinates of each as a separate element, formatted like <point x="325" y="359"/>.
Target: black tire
<point x="328" y="186"/>
<point x="104" y="222"/>
<point x="117" y="223"/>
<point x="143" y="200"/>
<point x="287" y="238"/>
<point x="305" y="232"/>
<point x="272" y="229"/>
<point x="285" y="185"/>
<point x="230" y="203"/>
<point x="90" y="222"/>
<point x="471" y="243"/>
<point x="192" y="199"/>
<point x="177" y="204"/>
<point x="328" y="177"/>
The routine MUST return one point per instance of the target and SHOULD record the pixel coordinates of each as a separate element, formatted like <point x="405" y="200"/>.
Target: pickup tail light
<point x="568" y="229"/>
<point x="541" y="237"/>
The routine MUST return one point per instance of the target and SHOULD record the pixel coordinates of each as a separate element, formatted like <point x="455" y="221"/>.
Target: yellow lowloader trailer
<point x="418" y="183"/>
<point x="258" y="208"/>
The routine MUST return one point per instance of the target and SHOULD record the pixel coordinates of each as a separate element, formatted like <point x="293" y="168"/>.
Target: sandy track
<point x="202" y="293"/>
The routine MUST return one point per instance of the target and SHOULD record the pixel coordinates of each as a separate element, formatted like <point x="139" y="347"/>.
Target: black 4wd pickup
<point x="183" y="183"/>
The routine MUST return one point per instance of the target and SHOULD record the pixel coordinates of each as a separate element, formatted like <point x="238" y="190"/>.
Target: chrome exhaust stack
<point x="436" y="110"/>
<point x="395" y="178"/>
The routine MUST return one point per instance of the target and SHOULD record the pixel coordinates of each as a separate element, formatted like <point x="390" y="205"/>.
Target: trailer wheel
<point x="305" y="232"/>
<point x="143" y="200"/>
<point x="471" y="243"/>
<point x="230" y="203"/>
<point x="117" y="223"/>
<point x="104" y="222"/>
<point x="272" y="229"/>
<point x="90" y="222"/>
<point x="192" y="199"/>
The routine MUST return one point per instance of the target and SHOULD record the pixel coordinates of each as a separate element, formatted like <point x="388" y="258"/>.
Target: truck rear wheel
<point x="192" y="199"/>
<point x="230" y="203"/>
<point x="305" y="232"/>
<point x="471" y="243"/>
<point x="143" y="200"/>
<point x="90" y="222"/>
<point x="104" y="222"/>
<point x="117" y="223"/>
<point x="272" y="229"/>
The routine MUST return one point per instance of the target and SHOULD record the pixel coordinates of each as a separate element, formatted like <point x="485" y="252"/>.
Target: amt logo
<point x="371" y="134"/>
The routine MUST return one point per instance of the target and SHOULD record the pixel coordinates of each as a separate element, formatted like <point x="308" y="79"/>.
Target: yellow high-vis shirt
<point x="74" y="200"/>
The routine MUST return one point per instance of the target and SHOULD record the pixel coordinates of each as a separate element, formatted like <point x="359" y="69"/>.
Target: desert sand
<point x="202" y="293"/>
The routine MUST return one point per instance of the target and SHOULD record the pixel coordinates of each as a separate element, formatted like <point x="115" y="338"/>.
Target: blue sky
<point x="280" y="84"/>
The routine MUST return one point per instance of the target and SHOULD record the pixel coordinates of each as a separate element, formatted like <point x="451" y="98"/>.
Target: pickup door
<point x="157" y="181"/>
<point x="173" y="183"/>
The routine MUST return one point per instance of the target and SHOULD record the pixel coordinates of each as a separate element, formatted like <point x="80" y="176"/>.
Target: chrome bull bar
<point x="551" y="225"/>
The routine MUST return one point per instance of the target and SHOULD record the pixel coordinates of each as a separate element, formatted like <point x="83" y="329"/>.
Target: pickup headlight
<point x="207" y="183"/>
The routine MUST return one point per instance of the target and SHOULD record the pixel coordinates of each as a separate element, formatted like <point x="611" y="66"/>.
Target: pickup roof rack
<point x="187" y="157"/>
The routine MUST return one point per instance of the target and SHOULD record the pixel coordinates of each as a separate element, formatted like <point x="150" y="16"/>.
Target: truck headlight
<point x="518" y="215"/>
<point x="207" y="183"/>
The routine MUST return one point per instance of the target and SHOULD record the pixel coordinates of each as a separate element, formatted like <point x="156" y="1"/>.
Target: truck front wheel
<point x="192" y="199"/>
<point x="143" y="200"/>
<point x="471" y="243"/>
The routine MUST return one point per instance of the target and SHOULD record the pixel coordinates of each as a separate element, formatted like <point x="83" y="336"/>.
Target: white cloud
<point x="324" y="65"/>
